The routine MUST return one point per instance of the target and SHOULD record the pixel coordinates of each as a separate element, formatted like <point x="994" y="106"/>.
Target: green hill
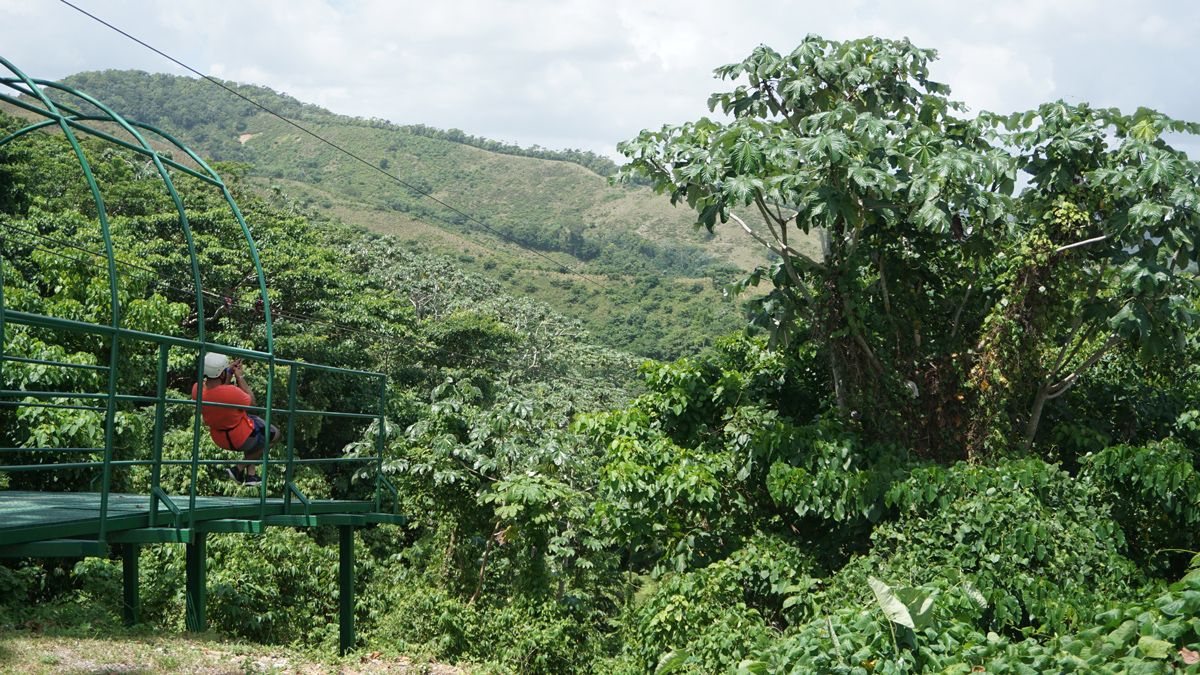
<point x="620" y="259"/>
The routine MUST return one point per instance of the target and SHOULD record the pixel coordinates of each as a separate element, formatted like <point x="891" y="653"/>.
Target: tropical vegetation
<point x="961" y="435"/>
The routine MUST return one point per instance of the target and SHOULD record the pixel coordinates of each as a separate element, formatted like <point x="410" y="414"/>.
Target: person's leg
<point x="252" y="449"/>
<point x="252" y="455"/>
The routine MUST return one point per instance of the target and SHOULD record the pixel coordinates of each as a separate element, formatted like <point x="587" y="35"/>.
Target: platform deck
<point x="38" y="516"/>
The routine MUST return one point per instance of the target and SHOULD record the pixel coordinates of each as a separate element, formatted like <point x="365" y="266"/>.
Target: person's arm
<point x="240" y="378"/>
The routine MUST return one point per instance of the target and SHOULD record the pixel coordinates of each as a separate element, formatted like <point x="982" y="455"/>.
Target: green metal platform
<point x="40" y="516"/>
<point x="67" y="524"/>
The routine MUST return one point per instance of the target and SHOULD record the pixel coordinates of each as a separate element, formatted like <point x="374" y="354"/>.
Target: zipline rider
<point x="231" y="428"/>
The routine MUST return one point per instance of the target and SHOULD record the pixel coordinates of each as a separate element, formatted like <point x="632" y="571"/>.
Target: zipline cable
<point x="328" y="142"/>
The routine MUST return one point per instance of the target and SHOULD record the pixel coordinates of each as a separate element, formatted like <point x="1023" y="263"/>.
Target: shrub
<point x="280" y="586"/>
<point x="528" y="636"/>
<point x="1155" y="492"/>
<point x="1156" y="633"/>
<point x="708" y="619"/>
<point x="1039" y="547"/>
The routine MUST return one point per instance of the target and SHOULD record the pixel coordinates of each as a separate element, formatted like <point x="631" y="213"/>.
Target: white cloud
<point x="589" y="74"/>
<point x="996" y="78"/>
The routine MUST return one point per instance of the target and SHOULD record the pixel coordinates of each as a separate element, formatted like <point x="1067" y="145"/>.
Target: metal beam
<point x="152" y="535"/>
<point x="230" y="525"/>
<point x="345" y="589"/>
<point x="197" y="570"/>
<point x="56" y="548"/>
<point x="132" y="605"/>
<point x="340" y="519"/>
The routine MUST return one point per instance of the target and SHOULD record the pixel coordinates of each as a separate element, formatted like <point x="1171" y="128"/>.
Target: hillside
<point x="654" y="281"/>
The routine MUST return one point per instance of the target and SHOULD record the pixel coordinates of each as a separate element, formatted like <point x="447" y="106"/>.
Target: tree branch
<point x="783" y="253"/>
<point x="1069" y="381"/>
<point x="1077" y="244"/>
<point x="1072" y="333"/>
<point x="780" y="236"/>
<point x="772" y="95"/>
<point x="958" y="312"/>
<point x="1064" y="356"/>
<point x="757" y="236"/>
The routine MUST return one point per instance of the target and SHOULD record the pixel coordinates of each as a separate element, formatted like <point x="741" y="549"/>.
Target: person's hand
<point x="237" y="367"/>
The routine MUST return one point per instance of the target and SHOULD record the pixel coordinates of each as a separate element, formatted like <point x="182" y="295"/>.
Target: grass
<point x="28" y="652"/>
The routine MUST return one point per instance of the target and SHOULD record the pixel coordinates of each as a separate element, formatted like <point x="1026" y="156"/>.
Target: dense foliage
<point x="742" y="509"/>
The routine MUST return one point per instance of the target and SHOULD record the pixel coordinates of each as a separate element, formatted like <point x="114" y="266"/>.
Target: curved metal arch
<point x="74" y="120"/>
<point x="110" y="412"/>
<point x="229" y="200"/>
<point x="109" y="115"/>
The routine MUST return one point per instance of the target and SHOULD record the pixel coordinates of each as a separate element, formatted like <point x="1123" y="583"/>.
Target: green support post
<point x="345" y="588"/>
<point x="160" y="412"/>
<point x="2" y="249"/>
<point x="380" y="441"/>
<point x="197" y="570"/>
<point x="289" y="471"/>
<point x="265" y="467"/>
<point x="196" y="420"/>
<point x="129" y="567"/>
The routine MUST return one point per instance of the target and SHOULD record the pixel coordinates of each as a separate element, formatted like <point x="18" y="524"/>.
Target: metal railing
<point x="289" y="460"/>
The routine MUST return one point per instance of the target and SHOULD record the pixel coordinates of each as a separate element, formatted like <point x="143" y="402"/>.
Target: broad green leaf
<point x="892" y="607"/>
<point x="1153" y="648"/>
<point x="672" y="662"/>
<point x="752" y="667"/>
<point x="1123" y="633"/>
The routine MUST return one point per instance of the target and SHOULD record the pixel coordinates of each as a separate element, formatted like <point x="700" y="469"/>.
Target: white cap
<point x="215" y="364"/>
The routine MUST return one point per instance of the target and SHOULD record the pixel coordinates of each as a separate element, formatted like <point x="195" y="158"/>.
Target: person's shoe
<point x="251" y="480"/>
<point x="235" y="474"/>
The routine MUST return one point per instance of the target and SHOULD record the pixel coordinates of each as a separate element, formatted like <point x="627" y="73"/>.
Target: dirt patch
<point x="245" y="137"/>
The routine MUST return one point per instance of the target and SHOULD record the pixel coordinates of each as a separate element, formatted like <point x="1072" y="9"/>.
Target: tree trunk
<point x="1035" y="414"/>
<point x="839" y="384"/>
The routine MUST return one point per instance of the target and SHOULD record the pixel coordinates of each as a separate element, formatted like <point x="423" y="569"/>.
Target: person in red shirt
<point x="231" y="428"/>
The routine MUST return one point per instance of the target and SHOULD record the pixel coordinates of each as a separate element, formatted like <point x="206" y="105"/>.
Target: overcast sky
<point x="567" y="73"/>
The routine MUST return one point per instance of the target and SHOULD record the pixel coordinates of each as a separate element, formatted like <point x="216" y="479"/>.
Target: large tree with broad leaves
<point x="972" y="268"/>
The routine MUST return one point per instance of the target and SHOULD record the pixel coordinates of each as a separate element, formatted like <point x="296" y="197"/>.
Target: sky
<point x="588" y="74"/>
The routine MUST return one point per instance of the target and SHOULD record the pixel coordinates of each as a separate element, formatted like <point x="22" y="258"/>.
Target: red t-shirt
<point x="220" y="419"/>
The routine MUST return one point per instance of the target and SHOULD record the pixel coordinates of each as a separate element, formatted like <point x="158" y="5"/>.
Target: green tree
<point x="950" y="309"/>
